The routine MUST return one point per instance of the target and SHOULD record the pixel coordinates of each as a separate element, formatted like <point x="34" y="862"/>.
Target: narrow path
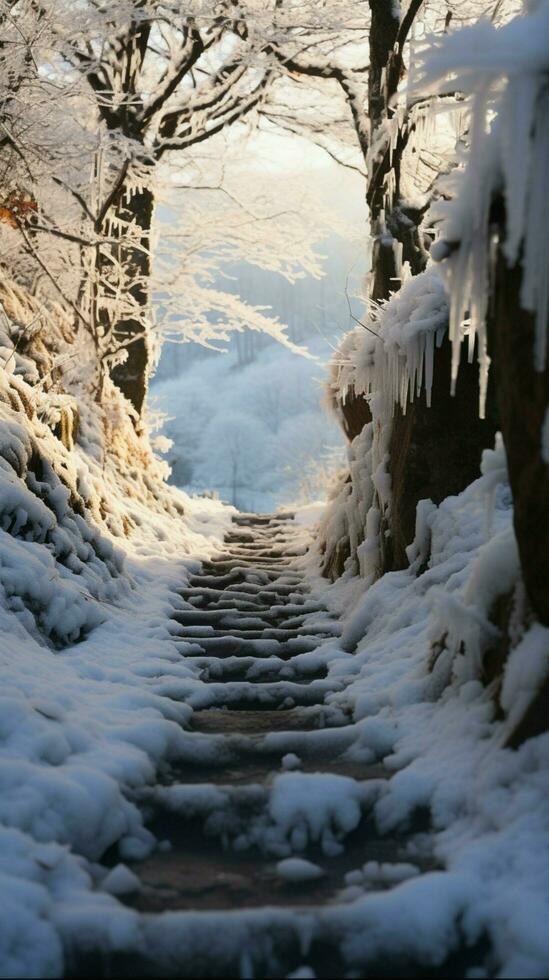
<point x="236" y="806"/>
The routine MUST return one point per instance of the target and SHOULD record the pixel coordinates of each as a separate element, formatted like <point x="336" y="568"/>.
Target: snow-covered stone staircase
<point x="265" y="824"/>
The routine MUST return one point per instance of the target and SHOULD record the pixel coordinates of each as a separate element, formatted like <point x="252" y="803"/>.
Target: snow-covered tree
<point x="235" y="449"/>
<point x="163" y="79"/>
<point x="79" y="157"/>
<point x="218" y="215"/>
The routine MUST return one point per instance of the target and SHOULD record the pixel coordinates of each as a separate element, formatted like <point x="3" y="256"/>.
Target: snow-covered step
<point x="247" y="563"/>
<point x="284" y="605"/>
<point x="247" y="625"/>
<point x="250" y="622"/>
<point x="263" y="769"/>
<point x="226" y="603"/>
<point x="264" y="815"/>
<point x="270" y="695"/>
<point x="228" y="721"/>
<point x="247" y="633"/>
<point x="222" y="646"/>
<point x="205" y="593"/>
<point x="194" y="616"/>
<point x="296" y="605"/>
<point x="256" y="520"/>
<point x="296" y="813"/>
<point x="253" y="676"/>
<point x="278" y="587"/>
<point x="205" y="936"/>
<point x="277" y="563"/>
<point x="263" y="549"/>
<point x="237" y="577"/>
<point x="257" y="669"/>
<point x="251" y="584"/>
<point x="251" y="565"/>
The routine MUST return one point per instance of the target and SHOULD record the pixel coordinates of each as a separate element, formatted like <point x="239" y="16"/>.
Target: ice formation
<point x="393" y="358"/>
<point x="389" y="364"/>
<point x="504" y="73"/>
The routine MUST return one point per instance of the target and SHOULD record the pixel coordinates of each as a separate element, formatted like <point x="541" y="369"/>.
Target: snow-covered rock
<point x="298" y="869"/>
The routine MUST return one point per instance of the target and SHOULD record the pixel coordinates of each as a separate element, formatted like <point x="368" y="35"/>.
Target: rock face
<point x="354" y="414"/>
<point x="435" y="452"/>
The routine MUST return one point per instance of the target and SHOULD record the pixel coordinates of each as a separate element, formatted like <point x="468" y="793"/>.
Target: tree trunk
<point x="400" y="225"/>
<point x="132" y="376"/>
<point x="523" y="403"/>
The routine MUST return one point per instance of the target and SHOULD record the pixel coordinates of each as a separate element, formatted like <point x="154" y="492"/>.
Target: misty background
<point x="247" y="422"/>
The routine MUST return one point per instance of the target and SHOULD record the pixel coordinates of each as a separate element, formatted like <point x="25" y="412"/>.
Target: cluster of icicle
<point x="505" y="73"/>
<point x="390" y="359"/>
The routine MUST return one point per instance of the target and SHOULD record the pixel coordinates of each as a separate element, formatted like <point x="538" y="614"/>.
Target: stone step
<point x="269" y="633"/>
<point x="231" y="619"/>
<point x="240" y="814"/>
<point x="257" y="519"/>
<point x="227" y="604"/>
<point x="262" y="941"/>
<point x="224" y="646"/>
<point x="257" y="669"/>
<point x="262" y="549"/>
<point x="257" y="560"/>
<point x="231" y="721"/>
<point x="262" y="696"/>
<point x="214" y="595"/>
<point x="253" y="584"/>
<point x="263" y="770"/>
<point x="215" y="904"/>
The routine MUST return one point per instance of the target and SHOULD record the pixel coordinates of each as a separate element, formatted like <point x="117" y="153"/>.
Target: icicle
<point x="420" y="362"/>
<point x="515" y="127"/>
<point x="429" y="364"/>
<point x="402" y="385"/>
<point x="397" y="252"/>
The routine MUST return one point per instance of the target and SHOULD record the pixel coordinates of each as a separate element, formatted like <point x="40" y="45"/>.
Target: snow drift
<point x="92" y="546"/>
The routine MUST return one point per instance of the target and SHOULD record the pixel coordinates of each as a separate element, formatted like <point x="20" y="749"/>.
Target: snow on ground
<point x="81" y="729"/>
<point x="87" y="718"/>
<point x="79" y="746"/>
<point x="432" y="721"/>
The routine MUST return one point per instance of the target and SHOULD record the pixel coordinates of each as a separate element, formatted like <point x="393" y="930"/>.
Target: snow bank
<point x="417" y="693"/>
<point x="92" y="546"/>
